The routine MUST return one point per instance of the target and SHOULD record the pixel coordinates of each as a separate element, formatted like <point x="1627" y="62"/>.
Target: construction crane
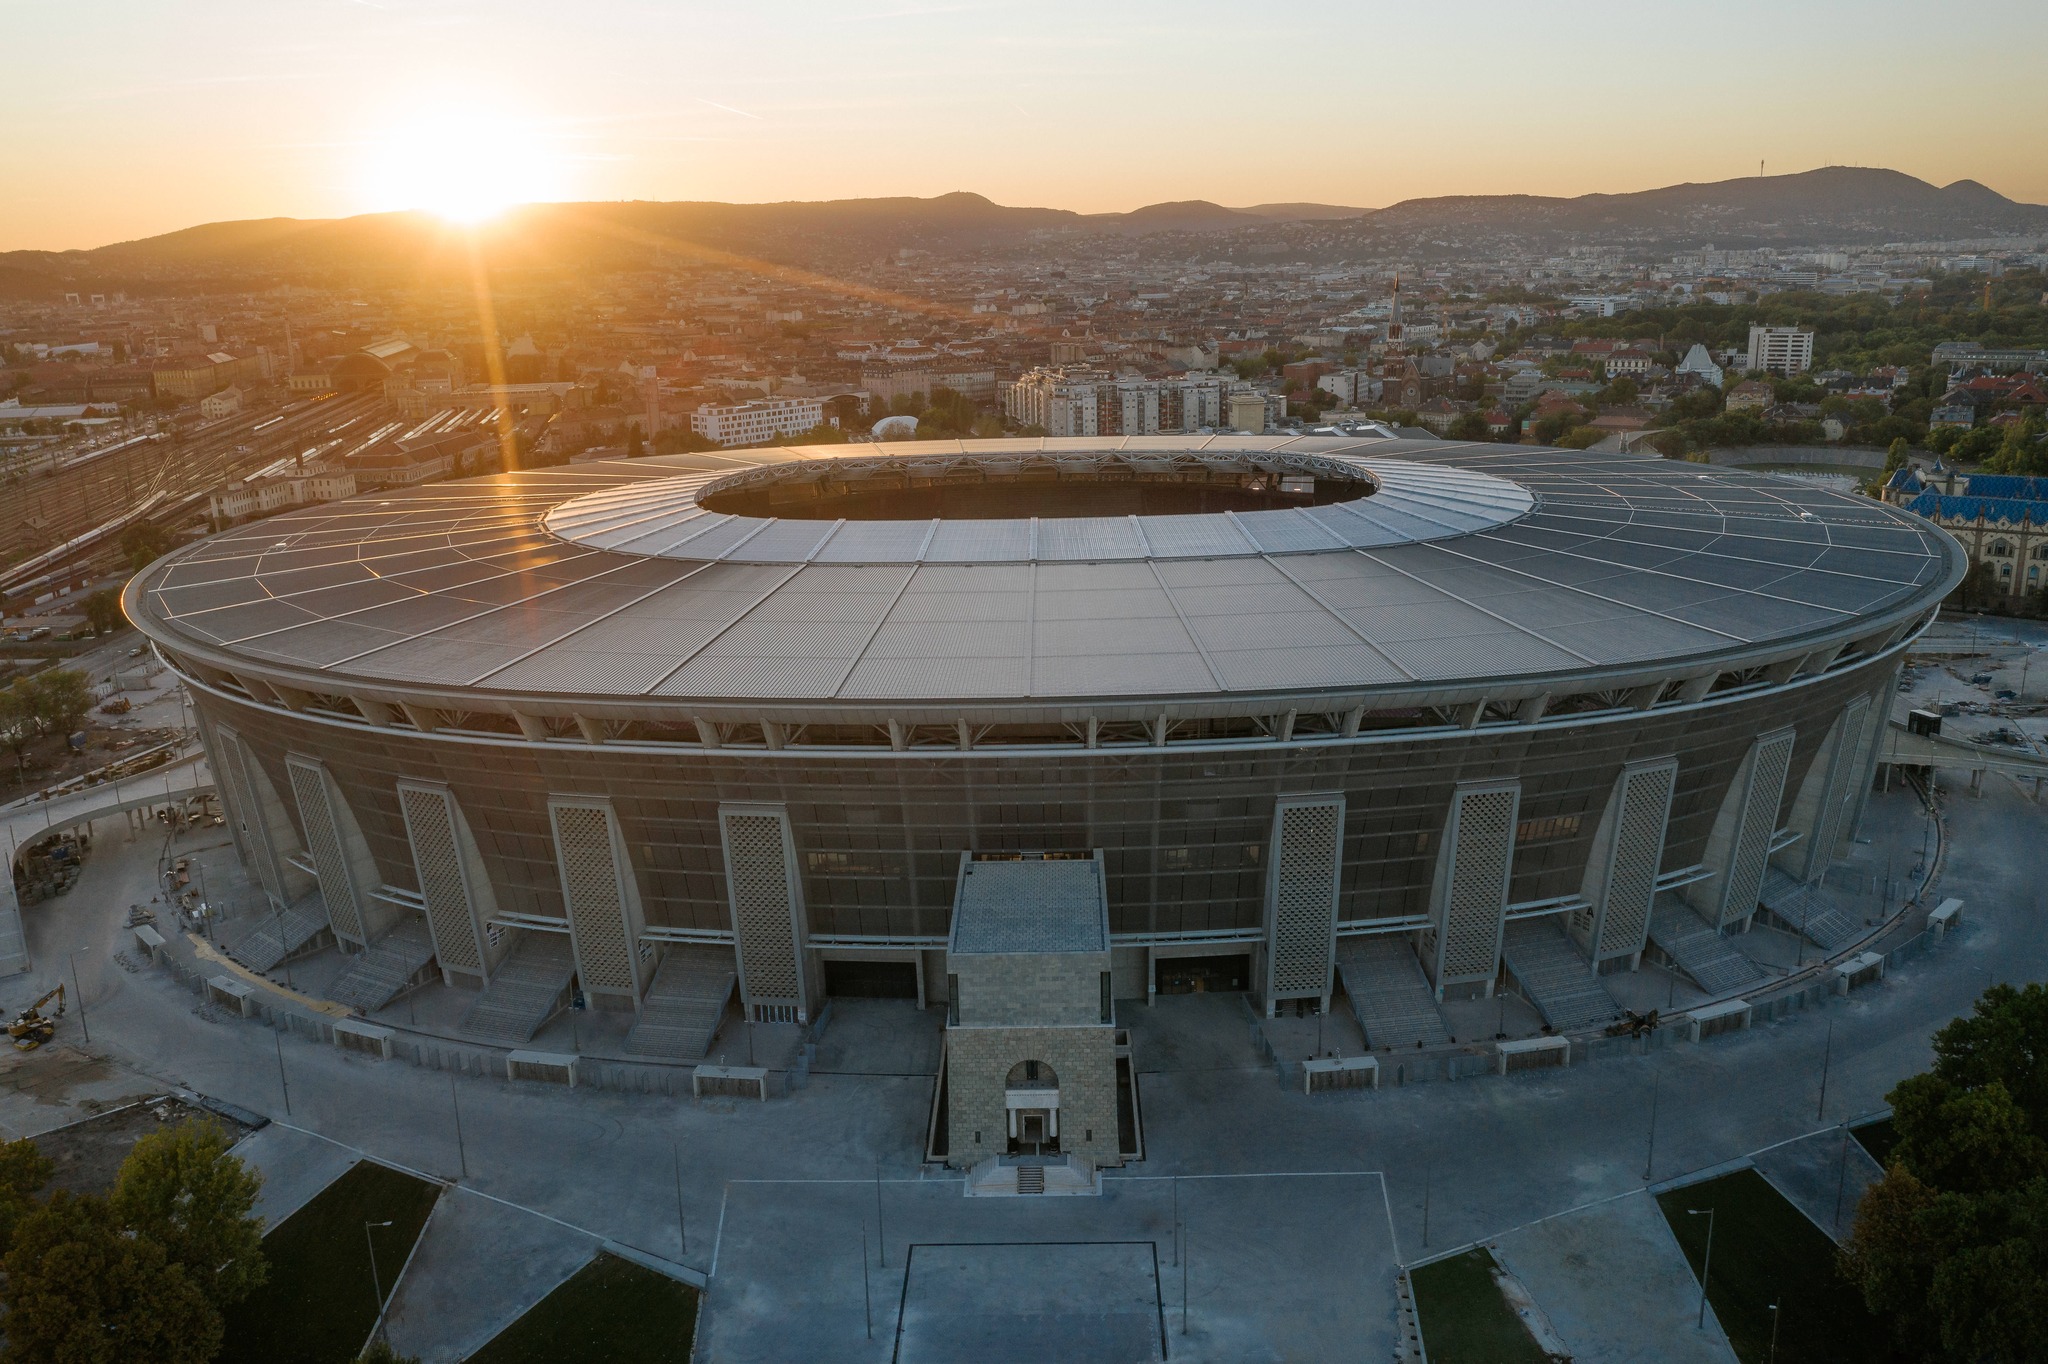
<point x="33" y="1027"/>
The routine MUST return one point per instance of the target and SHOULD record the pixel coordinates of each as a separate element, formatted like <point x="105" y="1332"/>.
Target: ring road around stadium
<point x="1029" y="727"/>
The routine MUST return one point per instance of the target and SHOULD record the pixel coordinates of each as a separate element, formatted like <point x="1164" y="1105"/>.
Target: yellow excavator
<point x="34" y="1027"/>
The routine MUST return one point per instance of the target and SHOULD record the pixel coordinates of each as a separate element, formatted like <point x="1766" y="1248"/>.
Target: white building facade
<point x="759" y="421"/>
<point x="1780" y="350"/>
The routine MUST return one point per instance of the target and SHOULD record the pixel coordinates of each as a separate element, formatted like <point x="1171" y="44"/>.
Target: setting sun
<point x="466" y="164"/>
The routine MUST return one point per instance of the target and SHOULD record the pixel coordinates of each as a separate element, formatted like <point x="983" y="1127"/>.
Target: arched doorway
<point x="1031" y="1100"/>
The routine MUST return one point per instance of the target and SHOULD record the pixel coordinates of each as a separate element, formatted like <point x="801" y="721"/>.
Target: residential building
<point x="757" y="422"/>
<point x="1089" y="402"/>
<point x="1698" y="362"/>
<point x="1751" y="395"/>
<point x="225" y="403"/>
<point x="1780" y="350"/>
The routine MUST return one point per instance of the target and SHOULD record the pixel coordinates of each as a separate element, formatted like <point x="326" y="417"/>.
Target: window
<point x="1548" y="829"/>
<point x="1108" y="1003"/>
<point x="2001" y="549"/>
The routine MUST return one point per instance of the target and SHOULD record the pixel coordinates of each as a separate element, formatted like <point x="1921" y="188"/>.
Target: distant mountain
<point x="1304" y="213"/>
<point x="1837" y="203"/>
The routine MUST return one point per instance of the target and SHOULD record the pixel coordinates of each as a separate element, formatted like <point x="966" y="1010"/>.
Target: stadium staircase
<point x="276" y="937"/>
<point x="684" y="1004"/>
<point x="1700" y="952"/>
<point x="386" y="969"/>
<point x="530" y="986"/>
<point x="1555" y="977"/>
<point x="1389" y="993"/>
<point x="1810" y="910"/>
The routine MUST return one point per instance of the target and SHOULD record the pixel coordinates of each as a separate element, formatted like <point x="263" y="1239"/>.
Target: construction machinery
<point x="33" y="1027"/>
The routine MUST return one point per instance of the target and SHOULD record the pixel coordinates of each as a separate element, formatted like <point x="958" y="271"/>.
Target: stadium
<point x="1028" y="727"/>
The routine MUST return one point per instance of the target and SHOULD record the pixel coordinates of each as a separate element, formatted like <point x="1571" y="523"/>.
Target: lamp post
<point x="1772" y="1358"/>
<point x="1707" y="1262"/>
<point x="80" y="992"/>
<point x="1656" y="1082"/>
<point x="286" y="1088"/>
<point x="455" y="1107"/>
<point x="376" y="1281"/>
<point x="1827" y="1055"/>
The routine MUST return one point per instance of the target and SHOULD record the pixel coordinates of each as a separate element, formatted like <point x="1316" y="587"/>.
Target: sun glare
<point x="464" y="164"/>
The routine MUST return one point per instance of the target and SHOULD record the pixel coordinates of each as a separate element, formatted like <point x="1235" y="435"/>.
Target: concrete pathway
<point x="1823" y="1175"/>
<point x="437" y="1312"/>
<point x="295" y="1166"/>
<point x="1614" y="1283"/>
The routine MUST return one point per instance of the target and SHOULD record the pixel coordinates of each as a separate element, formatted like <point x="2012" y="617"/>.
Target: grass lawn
<point x="1878" y="1138"/>
<point x="1766" y="1251"/>
<point x="1465" y="1320"/>
<point x="610" y="1310"/>
<point x="319" y="1305"/>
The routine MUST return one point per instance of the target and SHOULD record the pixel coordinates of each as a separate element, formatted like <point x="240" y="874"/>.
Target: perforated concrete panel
<point x="1643" y="805"/>
<point x="767" y="905"/>
<point x="1301" y="897"/>
<point x="258" y="841"/>
<point x="1768" y="760"/>
<point x="323" y="837"/>
<point x="1851" y="783"/>
<point x="1471" y="896"/>
<point x="437" y="858"/>
<point x="597" y="895"/>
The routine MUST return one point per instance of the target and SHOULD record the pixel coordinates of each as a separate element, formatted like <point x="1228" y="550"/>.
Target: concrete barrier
<point x="1730" y="1015"/>
<point x="230" y="993"/>
<point x="1946" y="915"/>
<point x="548" y="1067"/>
<point x="1325" y="1074"/>
<point x="1533" y="1053"/>
<point x="1861" y="969"/>
<point x="744" y="1081"/>
<point x="365" y="1038"/>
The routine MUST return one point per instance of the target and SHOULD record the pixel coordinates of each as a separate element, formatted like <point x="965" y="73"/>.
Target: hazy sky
<point x="125" y="118"/>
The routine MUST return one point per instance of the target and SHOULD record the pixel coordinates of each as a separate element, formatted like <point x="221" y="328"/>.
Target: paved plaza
<point x="1298" y="1211"/>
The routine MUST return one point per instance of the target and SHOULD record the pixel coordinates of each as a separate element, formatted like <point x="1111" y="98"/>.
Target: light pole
<point x="1827" y="1055"/>
<point x="1707" y="1262"/>
<point x="286" y="1088"/>
<point x="1656" y="1083"/>
<point x="682" y="1231"/>
<point x="1772" y="1358"/>
<point x="455" y="1107"/>
<point x="80" y="992"/>
<point x="376" y="1282"/>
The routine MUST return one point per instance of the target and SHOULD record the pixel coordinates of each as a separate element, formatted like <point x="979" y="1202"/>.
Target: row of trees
<point x="1951" y="1246"/>
<point x="54" y="701"/>
<point x="143" y="1273"/>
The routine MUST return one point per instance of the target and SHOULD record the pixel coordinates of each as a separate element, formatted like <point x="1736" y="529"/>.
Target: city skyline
<point x="141" y="121"/>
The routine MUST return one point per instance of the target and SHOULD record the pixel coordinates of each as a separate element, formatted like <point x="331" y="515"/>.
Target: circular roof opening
<point x="861" y="505"/>
<point x="1108" y="484"/>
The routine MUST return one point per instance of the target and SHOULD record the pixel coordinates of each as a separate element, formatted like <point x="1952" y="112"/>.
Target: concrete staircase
<point x="1810" y="910"/>
<point x="684" y="1003"/>
<point x="1556" y="979"/>
<point x="1389" y="993"/>
<point x="1699" y="951"/>
<point x="273" y="938"/>
<point x="530" y="986"/>
<point x="1034" y="1177"/>
<point x="386" y="969"/>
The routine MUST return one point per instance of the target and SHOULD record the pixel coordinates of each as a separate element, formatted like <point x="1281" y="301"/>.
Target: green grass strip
<point x="319" y="1304"/>
<point x="1767" y="1251"/>
<point x="610" y="1310"/>
<point x="1465" y="1320"/>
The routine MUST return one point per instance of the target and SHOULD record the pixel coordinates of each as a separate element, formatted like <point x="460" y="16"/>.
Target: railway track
<point x="68" y="513"/>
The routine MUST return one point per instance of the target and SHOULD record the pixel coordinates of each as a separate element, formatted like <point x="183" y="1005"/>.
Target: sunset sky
<point x="125" y="118"/>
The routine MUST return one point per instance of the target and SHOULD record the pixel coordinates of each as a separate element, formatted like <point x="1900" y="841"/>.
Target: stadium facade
<point x="762" y="712"/>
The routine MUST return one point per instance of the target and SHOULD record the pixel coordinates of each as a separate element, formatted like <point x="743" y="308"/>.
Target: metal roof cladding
<point x="1468" y="561"/>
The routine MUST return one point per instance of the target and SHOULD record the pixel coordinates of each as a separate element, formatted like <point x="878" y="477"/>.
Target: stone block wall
<point x="1029" y="989"/>
<point x="978" y="1062"/>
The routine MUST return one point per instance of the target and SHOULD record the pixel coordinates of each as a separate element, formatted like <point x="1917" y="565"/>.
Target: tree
<point x="636" y="444"/>
<point x="1468" y="426"/>
<point x="81" y="1290"/>
<point x="180" y="1188"/>
<point x="1895" y="458"/>
<point x="60" y="697"/>
<point x="18" y="722"/>
<point x="103" y="611"/>
<point x="144" y="542"/>
<point x="1951" y="1246"/>
<point x="24" y="1170"/>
